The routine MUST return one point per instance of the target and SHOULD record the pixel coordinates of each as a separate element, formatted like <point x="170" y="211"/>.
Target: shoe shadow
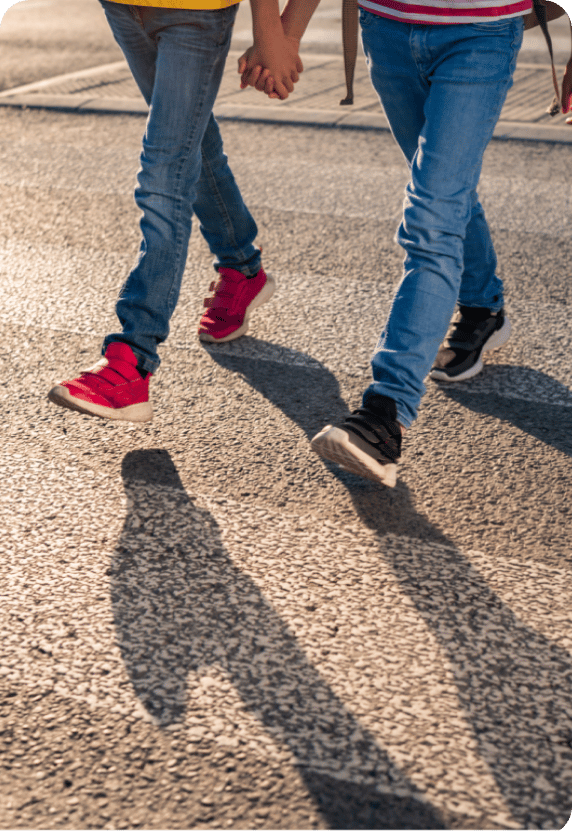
<point x="512" y="393"/>
<point x="309" y="396"/>
<point x="182" y="607"/>
<point x="505" y="671"/>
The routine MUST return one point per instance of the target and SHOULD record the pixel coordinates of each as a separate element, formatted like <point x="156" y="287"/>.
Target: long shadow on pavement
<point x="182" y="606"/>
<point x="523" y="390"/>
<point x="514" y="684"/>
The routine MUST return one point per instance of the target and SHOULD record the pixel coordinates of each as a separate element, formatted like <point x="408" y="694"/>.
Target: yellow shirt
<point x="182" y="4"/>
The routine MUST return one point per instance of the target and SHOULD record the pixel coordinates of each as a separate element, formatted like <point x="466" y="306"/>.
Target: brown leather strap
<point x="350" y="28"/>
<point x="349" y="33"/>
<point x="567" y="85"/>
<point x="540" y="11"/>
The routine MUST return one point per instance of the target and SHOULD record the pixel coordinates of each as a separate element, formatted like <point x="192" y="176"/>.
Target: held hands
<point x="271" y="65"/>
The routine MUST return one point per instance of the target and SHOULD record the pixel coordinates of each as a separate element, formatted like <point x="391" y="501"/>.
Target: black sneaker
<point x="367" y="442"/>
<point x="472" y="332"/>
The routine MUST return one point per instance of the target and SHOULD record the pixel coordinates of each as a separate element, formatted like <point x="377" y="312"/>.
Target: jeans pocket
<point x="495" y="26"/>
<point x="366" y="18"/>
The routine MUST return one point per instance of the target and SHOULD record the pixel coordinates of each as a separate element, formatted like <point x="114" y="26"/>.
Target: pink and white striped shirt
<point x="447" y="11"/>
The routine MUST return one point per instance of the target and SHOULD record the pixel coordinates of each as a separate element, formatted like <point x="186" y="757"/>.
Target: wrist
<point x="291" y="33"/>
<point x="296" y="16"/>
<point x="266" y="19"/>
<point x="291" y="30"/>
<point x="267" y="32"/>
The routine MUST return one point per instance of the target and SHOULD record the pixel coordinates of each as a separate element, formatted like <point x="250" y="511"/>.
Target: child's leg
<point x="191" y="49"/>
<point x="468" y="70"/>
<point x="139" y="49"/>
<point x="405" y="92"/>
<point x="225" y="222"/>
<point x="480" y="285"/>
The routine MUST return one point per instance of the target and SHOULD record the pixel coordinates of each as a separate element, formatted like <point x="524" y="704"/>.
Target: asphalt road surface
<point x="203" y="624"/>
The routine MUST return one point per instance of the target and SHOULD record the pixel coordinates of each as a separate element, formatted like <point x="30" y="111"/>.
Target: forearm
<point x="296" y="16"/>
<point x="273" y="58"/>
<point x="266" y="19"/>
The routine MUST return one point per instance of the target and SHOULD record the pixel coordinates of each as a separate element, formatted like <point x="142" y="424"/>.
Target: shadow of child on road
<point x="513" y="682"/>
<point x="182" y="606"/>
<point x="529" y="399"/>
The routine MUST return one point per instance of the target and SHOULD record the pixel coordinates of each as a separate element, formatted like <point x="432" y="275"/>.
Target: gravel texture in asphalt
<point x="204" y="624"/>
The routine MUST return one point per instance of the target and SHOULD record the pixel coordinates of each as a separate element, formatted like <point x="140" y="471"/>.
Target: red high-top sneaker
<point x="235" y="297"/>
<point x="113" y="388"/>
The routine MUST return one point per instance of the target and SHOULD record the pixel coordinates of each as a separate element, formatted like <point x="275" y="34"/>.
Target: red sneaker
<point x="113" y="388"/>
<point x="235" y="297"/>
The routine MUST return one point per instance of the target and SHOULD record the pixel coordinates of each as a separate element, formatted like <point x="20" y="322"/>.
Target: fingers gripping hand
<point x="248" y="69"/>
<point x="273" y="67"/>
<point x="260" y="79"/>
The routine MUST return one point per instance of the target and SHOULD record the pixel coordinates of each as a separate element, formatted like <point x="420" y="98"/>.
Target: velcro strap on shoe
<point x="117" y="372"/>
<point x="467" y="338"/>
<point x="101" y="364"/>
<point x="385" y="431"/>
<point x="229" y="295"/>
<point x="465" y="345"/>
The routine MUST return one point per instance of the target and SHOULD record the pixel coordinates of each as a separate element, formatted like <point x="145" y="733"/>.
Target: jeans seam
<point x="136" y="16"/>
<point x="222" y="206"/>
<point x="180" y="198"/>
<point x="184" y="161"/>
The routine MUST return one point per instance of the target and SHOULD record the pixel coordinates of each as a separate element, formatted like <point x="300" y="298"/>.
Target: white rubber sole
<point x="495" y="340"/>
<point x="337" y="445"/>
<point x="138" y="412"/>
<point x="261" y="298"/>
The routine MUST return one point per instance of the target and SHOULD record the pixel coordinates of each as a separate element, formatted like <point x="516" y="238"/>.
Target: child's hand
<point x="248" y="69"/>
<point x="262" y="80"/>
<point x="271" y="66"/>
<point x="257" y="77"/>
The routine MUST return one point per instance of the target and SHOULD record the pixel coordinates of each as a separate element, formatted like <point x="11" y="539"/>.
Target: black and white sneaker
<point x="367" y="442"/>
<point x="472" y="332"/>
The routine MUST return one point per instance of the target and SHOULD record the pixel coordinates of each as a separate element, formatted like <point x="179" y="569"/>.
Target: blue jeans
<point x="177" y="58"/>
<point x="442" y="88"/>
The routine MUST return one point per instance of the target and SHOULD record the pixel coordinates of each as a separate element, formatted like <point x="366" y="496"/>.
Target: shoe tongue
<point x="121" y="351"/>
<point x="474" y="314"/>
<point x="381" y="405"/>
<point x="230" y="275"/>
